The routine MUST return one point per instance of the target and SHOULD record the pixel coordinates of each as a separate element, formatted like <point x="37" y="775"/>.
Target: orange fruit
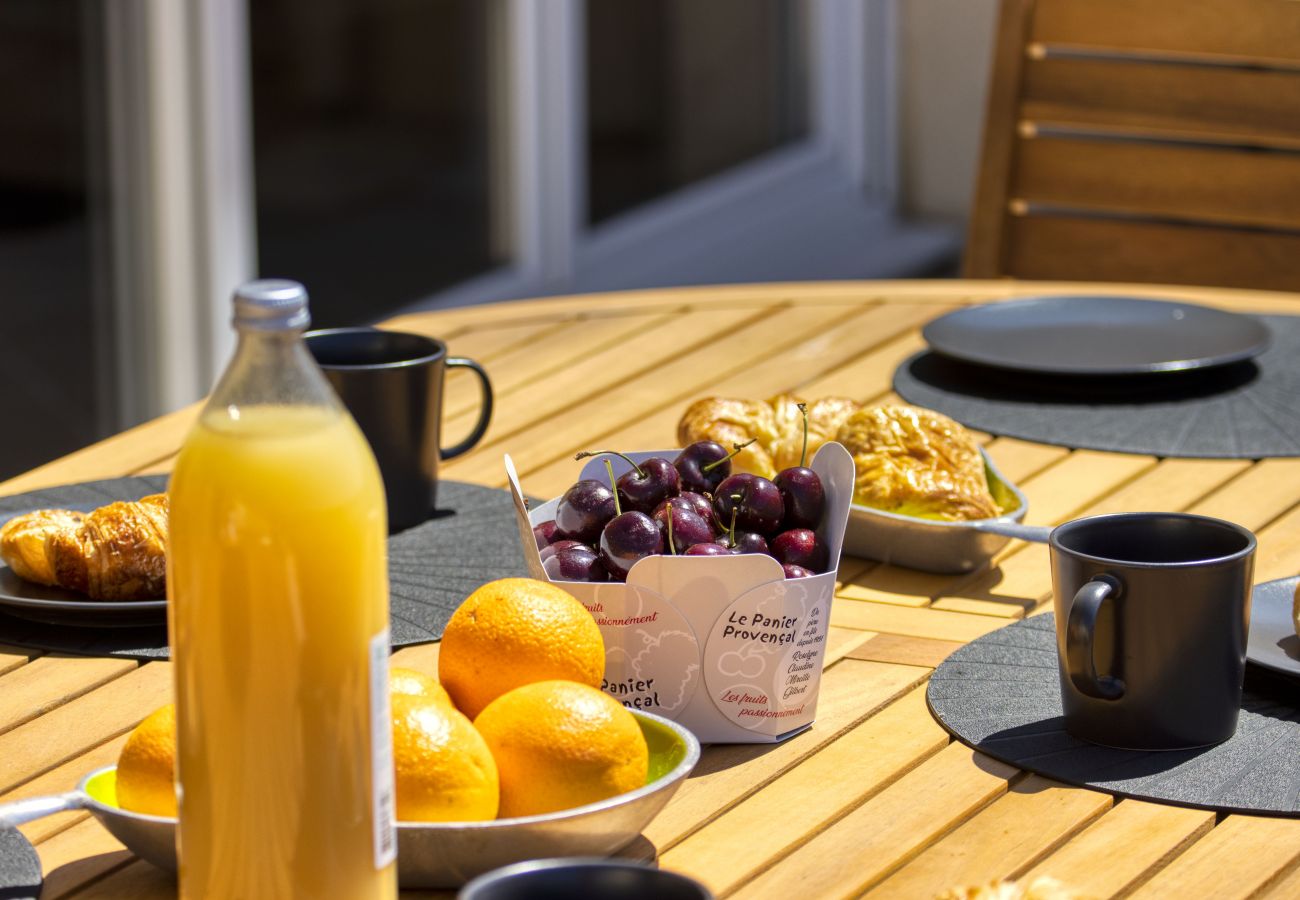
<point x="560" y="744"/>
<point x="146" y="767"/>
<point x="444" y="770"/>
<point x="512" y="632"/>
<point x="410" y="683"/>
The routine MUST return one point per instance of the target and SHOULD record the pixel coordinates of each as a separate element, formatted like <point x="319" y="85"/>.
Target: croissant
<point x="776" y="426"/>
<point x="117" y="552"/>
<point x="916" y="462"/>
<point x="22" y="542"/>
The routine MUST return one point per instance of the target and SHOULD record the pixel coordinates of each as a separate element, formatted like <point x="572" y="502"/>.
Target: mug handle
<point x="485" y="414"/>
<point x="1079" y="631"/>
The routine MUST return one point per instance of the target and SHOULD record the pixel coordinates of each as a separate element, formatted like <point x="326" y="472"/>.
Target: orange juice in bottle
<point x="278" y="614"/>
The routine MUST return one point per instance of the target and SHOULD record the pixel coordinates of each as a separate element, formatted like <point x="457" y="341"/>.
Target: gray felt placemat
<point x="1248" y="410"/>
<point x="20" y="867"/>
<point x="1001" y="695"/>
<point x="471" y="540"/>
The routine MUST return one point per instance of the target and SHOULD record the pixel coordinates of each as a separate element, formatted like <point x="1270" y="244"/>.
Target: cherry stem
<point x="586" y="453"/>
<point x="736" y="449"/>
<point x="803" y="457"/>
<point x="731" y="532"/>
<point x="609" y="467"/>
<point x="672" y="548"/>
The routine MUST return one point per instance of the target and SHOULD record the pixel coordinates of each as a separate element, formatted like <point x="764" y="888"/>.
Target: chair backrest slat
<point x="1083" y="249"/>
<point x="1175" y="125"/>
<point x="1256" y="31"/>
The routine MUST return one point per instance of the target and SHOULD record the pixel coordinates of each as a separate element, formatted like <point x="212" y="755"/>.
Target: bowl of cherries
<point x="688" y="504"/>
<point x="700" y="578"/>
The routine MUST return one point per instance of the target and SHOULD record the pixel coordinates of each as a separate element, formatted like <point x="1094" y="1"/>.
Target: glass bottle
<point x="278" y="615"/>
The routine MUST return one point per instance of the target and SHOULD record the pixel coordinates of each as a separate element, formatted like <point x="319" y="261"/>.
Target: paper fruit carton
<point x="725" y="645"/>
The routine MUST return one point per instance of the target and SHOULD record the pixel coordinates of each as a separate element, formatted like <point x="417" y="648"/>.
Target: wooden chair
<point x="1142" y="140"/>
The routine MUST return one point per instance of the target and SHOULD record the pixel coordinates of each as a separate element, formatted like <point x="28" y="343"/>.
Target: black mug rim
<point x="1063" y="531"/>
<point x="490" y="880"/>
<point x="439" y="349"/>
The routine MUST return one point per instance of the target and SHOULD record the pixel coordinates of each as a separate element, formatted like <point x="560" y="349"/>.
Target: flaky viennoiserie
<point x="916" y="462"/>
<point x="776" y="425"/>
<point x="22" y="542"/>
<point x="117" y="552"/>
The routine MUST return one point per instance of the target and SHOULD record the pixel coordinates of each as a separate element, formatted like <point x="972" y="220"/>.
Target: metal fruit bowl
<point x="431" y="854"/>
<point x="937" y="545"/>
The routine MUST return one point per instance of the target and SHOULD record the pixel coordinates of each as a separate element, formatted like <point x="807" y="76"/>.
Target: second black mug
<point x="391" y="382"/>
<point x="1152" y="614"/>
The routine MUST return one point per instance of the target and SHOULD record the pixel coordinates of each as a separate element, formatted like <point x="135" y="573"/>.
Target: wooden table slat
<point x="739" y="844"/>
<point x="51" y="681"/>
<point x="1035" y="817"/>
<point x="889" y="829"/>
<point x="1124" y="847"/>
<point x="1242" y="856"/>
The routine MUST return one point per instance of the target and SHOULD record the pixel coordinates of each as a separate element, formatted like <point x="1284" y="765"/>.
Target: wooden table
<point x="875" y="798"/>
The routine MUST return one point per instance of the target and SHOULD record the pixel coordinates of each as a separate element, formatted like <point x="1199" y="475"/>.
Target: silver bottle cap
<point x="271" y="304"/>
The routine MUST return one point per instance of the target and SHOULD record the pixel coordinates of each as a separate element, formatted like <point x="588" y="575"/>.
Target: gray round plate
<point x="20" y="867"/>
<point x="1081" y="335"/>
<point x="1001" y="694"/>
<point x="1273" y="643"/>
<point x="470" y="540"/>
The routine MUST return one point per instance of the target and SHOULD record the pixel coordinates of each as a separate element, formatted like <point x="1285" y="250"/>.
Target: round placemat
<point x="20" y="867"/>
<point x="472" y="539"/>
<point x="1247" y="410"/>
<point x="1001" y="695"/>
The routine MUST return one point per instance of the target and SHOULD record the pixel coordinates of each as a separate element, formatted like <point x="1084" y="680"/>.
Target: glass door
<point x="398" y="155"/>
<point x="58" y="344"/>
<point x="371" y="149"/>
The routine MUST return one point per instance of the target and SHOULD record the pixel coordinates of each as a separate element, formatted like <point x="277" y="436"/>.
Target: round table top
<point x="874" y="798"/>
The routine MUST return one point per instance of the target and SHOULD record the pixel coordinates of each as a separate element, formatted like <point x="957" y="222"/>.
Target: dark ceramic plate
<point x="1273" y="643"/>
<point x="28" y="600"/>
<point x="1097" y="336"/>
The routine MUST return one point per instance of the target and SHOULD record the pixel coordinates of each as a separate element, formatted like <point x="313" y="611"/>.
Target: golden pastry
<point x="916" y="462"/>
<point x="117" y="552"/>
<point x="1041" y="888"/>
<point x="22" y="541"/>
<point x="825" y="417"/>
<point x="775" y="426"/>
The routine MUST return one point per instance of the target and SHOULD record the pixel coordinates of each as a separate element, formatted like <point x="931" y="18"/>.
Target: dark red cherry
<point x="756" y="501"/>
<point x="800" y="547"/>
<point x="802" y="495"/>
<point x="745" y="542"/>
<point x="688" y="527"/>
<point x="691" y="461"/>
<point x="583" y="511"/>
<point x="709" y="549"/>
<point x="700" y="504"/>
<point x="552" y="549"/>
<point x="648" y="484"/>
<point x="578" y="563"/>
<point x="628" y="538"/>
<point x="544" y="533"/>
<point x="796" y="572"/>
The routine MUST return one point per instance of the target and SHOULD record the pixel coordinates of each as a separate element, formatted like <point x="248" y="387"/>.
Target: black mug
<point x="391" y="383"/>
<point x="588" y="878"/>
<point x="1152" y="614"/>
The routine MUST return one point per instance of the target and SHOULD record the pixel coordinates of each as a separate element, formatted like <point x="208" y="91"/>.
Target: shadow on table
<point x="989" y="383"/>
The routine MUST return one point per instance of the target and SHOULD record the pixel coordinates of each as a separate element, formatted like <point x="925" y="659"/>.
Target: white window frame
<point x="840" y="184"/>
<point x="190" y="171"/>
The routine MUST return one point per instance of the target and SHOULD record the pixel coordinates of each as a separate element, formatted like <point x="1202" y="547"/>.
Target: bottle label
<point x="381" y="754"/>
